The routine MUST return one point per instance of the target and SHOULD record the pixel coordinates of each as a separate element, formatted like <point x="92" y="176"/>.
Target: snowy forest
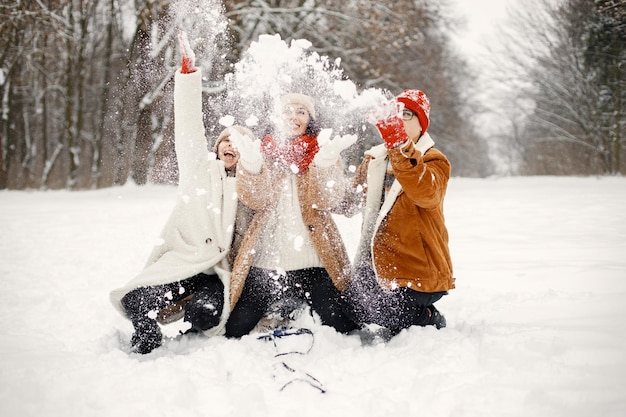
<point x="86" y="86"/>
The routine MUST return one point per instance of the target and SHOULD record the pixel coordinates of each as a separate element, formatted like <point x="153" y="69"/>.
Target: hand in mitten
<point x="383" y="111"/>
<point x="249" y="151"/>
<point x="389" y="123"/>
<point x="331" y="148"/>
<point x="392" y="131"/>
<point x="189" y="58"/>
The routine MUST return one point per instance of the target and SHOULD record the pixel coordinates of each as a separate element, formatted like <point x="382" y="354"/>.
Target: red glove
<point x="392" y="131"/>
<point x="189" y="58"/>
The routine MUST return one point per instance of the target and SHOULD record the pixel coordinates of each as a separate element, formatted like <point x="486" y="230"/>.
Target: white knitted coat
<point x="199" y="231"/>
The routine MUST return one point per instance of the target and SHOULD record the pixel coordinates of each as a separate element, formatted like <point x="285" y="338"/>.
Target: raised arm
<point x="190" y="139"/>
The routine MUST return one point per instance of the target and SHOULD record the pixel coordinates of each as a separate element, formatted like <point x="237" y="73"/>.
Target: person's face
<point x="297" y="119"/>
<point x="411" y="125"/>
<point x="227" y="154"/>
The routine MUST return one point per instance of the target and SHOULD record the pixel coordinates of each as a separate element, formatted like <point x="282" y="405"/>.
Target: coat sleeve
<point x="356" y="191"/>
<point x="424" y="178"/>
<point x="327" y="186"/>
<point x="256" y="191"/>
<point x="190" y="144"/>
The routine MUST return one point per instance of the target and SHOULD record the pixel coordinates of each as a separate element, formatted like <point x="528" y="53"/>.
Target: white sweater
<point x="286" y="244"/>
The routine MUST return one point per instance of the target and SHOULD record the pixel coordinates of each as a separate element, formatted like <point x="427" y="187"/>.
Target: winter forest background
<point x="86" y="86"/>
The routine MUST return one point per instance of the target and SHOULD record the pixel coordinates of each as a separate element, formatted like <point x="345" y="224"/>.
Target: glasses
<point x="407" y="115"/>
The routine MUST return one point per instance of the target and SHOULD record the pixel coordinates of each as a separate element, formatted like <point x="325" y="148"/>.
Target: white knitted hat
<point x="302" y="99"/>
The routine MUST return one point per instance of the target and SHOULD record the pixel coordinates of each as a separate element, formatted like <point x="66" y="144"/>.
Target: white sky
<point x="482" y="18"/>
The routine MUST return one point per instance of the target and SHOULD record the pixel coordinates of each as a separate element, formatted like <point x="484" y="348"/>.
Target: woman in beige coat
<point x="292" y="249"/>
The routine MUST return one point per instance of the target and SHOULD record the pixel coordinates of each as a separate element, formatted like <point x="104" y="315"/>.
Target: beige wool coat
<point x="319" y="191"/>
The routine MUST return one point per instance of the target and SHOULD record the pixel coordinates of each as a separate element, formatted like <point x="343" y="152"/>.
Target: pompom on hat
<point x="302" y="99"/>
<point x="418" y="103"/>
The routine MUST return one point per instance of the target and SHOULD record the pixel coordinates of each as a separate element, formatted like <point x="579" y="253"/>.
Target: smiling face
<point x="296" y="119"/>
<point x="227" y="154"/>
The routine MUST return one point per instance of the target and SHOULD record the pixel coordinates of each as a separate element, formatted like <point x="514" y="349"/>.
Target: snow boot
<point x="280" y="315"/>
<point x="204" y="310"/>
<point x="430" y="316"/>
<point x="373" y="334"/>
<point x="147" y="337"/>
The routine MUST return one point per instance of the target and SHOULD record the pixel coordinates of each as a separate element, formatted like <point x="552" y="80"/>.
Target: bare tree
<point x="385" y="45"/>
<point x="86" y="101"/>
<point x="52" y="88"/>
<point x="564" y="72"/>
<point x="605" y="56"/>
<point x="33" y="91"/>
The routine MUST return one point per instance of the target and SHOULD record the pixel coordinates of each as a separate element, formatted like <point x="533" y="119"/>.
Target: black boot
<point x="374" y="334"/>
<point x="147" y="336"/>
<point x="204" y="310"/>
<point x="430" y="316"/>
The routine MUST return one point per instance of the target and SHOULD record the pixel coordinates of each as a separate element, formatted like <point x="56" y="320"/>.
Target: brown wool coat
<point x="407" y="237"/>
<point x="316" y="198"/>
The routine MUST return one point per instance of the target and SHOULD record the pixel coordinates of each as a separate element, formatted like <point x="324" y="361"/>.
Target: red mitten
<point x="392" y="131"/>
<point x="189" y="58"/>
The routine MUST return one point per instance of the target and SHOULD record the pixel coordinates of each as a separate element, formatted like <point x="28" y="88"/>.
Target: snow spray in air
<point x="271" y="67"/>
<point x="206" y="27"/>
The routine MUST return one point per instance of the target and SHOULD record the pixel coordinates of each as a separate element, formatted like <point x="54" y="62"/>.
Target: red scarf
<point x="299" y="151"/>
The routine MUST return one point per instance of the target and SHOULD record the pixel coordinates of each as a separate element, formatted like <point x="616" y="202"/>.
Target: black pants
<point x="203" y="310"/>
<point x="395" y="309"/>
<point x="265" y="287"/>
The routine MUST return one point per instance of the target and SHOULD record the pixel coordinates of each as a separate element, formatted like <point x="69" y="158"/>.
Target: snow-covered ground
<point x="536" y="326"/>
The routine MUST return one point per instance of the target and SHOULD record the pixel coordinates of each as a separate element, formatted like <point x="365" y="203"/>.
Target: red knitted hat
<point x="418" y="103"/>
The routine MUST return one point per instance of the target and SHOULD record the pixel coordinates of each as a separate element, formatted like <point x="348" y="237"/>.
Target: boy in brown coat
<point x="403" y="265"/>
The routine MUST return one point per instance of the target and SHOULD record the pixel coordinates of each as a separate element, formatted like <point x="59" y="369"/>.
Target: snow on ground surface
<point x="536" y="326"/>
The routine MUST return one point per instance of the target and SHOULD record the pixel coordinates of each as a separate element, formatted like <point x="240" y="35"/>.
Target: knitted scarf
<point x="299" y="151"/>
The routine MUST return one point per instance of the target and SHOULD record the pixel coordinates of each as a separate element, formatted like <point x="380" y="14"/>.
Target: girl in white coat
<point x="191" y="265"/>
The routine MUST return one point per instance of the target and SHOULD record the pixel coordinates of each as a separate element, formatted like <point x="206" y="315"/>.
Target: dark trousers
<point x="395" y="309"/>
<point x="265" y="287"/>
<point x="203" y="310"/>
